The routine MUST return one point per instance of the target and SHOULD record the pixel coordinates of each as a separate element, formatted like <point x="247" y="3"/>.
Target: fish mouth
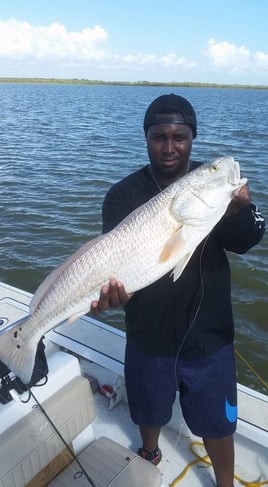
<point x="235" y="176"/>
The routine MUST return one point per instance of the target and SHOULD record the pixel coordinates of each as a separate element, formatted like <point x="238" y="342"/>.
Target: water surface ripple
<point x="62" y="146"/>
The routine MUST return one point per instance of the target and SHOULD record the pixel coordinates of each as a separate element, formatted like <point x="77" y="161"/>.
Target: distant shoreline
<point x="76" y="81"/>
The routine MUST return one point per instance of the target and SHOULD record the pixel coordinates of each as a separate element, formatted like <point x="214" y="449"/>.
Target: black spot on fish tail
<point x="16" y="332"/>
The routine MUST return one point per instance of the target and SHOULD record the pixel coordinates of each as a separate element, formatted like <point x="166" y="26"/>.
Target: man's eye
<point x="157" y="137"/>
<point x="178" y="138"/>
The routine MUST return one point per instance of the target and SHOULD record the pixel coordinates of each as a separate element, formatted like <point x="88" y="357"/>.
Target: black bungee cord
<point x="196" y="313"/>
<point x="83" y="471"/>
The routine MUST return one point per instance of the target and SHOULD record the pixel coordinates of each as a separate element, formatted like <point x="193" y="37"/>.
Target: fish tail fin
<point x="17" y="353"/>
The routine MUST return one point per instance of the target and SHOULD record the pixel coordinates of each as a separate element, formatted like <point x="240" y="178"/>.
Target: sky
<point x="206" y="41"/>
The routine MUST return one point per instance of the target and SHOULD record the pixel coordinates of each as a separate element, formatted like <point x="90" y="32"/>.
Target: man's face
<point x="169" y="146"/>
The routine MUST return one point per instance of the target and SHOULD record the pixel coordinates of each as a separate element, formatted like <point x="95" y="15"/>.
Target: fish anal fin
<point x="175" y="244"/>
<point x="76" y="316"/>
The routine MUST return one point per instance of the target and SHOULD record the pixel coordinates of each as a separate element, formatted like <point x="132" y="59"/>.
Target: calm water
<point x="63" y="146"/>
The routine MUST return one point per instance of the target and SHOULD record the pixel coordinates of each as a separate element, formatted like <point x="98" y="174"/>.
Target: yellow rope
<point x="206" y="460"/>
<point x="252" y="370"/>
<point x="193" y="462"/>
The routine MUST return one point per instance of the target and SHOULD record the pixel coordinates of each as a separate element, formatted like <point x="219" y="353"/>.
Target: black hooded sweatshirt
<point x="192" y="315"/>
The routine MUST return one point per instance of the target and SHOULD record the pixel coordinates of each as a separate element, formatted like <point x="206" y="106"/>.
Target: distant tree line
<point x="185" y="84"/>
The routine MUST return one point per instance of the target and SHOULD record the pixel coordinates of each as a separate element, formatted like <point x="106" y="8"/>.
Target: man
<point x="180" y="335"/>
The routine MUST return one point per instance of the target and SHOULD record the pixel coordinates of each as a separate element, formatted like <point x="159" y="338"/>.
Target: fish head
<point x="221" y="177"/>
<point x="228" y="173"/>
<point x="208" y="190"/>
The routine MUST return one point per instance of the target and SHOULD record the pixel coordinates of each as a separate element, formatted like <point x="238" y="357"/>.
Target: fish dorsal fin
<point x="173" y="245"/>
<point x="54" y="275"/>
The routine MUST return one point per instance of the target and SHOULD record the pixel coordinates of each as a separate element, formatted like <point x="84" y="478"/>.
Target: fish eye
<point x="214" y="167"/>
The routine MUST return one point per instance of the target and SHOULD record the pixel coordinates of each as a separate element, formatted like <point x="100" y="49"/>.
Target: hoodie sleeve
<point x="240" y="231"/>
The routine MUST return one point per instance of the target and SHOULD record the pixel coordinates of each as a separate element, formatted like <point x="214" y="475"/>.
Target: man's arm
<point x="114" y="209"/>
<point x="242" y="226"/>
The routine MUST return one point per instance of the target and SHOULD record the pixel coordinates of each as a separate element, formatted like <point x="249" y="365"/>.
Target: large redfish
<point x="157" y="237"/>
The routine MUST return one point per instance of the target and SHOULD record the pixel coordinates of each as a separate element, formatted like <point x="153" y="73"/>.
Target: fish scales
<point x="156" y="238"/>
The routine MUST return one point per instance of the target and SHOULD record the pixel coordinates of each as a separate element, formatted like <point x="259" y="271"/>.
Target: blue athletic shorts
<point x="207" y="391"/>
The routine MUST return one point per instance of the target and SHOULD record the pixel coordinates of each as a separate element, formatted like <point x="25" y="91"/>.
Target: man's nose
<point x="169" y="145"/>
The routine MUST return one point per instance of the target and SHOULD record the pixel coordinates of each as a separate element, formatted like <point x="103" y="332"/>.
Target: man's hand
<point x="240" y="199"/>
<point x="111" y="296"/>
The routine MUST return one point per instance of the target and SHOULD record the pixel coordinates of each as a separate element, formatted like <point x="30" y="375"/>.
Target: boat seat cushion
<point x="109" y="464"/>
<point x="30" y="443"/>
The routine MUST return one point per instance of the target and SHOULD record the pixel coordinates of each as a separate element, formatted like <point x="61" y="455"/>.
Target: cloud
<point x="36" y="49"/>
<point x="172" y="60"/>
<point x="21" y="41"/>
<point x="237" y="58"/>
<point x="261" y="60"/>
<point x="152" y="60"/>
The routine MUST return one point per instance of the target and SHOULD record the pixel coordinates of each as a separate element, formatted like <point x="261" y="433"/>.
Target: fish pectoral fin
<point x="76" y="316"/>
<point x="173" y="245"/>
<point x="178" y="269"/>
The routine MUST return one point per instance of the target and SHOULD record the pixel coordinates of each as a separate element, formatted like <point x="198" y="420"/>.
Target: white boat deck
<point x="179" y="448"/>
<point x="101" y="352"/>
<point x="175" y="446"/>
